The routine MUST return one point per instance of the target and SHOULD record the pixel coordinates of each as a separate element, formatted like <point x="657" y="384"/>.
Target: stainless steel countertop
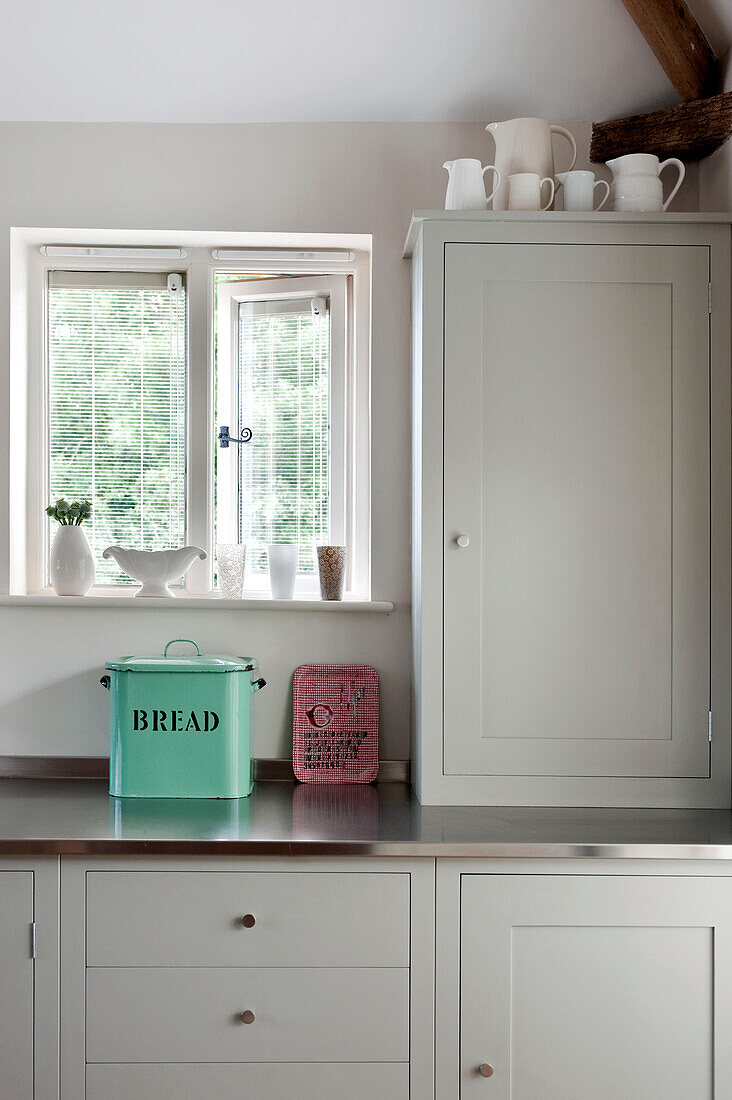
<point x="77" y="817"/>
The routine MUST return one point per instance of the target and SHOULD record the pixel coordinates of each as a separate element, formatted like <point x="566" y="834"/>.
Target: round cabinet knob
<point x="485" y="1070"/>
<point x="247" y="1017"/>
<point x="462" y="541"/>
<point x="248" y="920"/>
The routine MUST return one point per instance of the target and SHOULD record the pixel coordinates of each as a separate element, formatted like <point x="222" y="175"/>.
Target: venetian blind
<point x="284" y="370"/>
<point x="116" y="407"/>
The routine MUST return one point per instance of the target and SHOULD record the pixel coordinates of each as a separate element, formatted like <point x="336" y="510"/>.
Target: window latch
<point x="225" y="439"/>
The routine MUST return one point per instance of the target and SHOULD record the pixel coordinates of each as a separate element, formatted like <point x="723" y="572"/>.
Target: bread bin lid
<point x="177" y="662"/>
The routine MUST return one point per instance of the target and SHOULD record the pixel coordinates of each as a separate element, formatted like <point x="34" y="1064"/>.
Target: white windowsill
<point x="198" y="603"/>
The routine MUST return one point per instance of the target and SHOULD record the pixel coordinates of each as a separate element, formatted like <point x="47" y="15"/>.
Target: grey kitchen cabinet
<point x="16" y="968"/>
<point x="195" y="1014"/>
<point x="29" y="979"/>
<point x="528" y="978"/>
<point x="260" y="1080"/>
<point x="367" y="922"/>
<point x="571" y="510"/>
<point x="215" y="977"/>
<point x="583" y="986"/>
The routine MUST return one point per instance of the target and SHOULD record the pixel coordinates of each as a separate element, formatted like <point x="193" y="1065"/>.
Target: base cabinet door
<point x="16" y="985"/>
<point x="595" y="987"/>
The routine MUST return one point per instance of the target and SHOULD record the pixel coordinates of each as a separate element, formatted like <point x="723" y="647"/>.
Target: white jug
<point x="525" y="145"/>
<point x="465" y="186"/>
<point x="637" y="183"/>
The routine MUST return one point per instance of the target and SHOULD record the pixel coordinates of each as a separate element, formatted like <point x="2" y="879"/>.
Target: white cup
<point x="524" y="191"/>
<point x="282" y="570"/>
<point x="579" y="190"/>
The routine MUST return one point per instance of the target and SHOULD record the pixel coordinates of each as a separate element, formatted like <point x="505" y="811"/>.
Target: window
<point x="138" y="355"/>
<point x="116" y="407"/>
<point x="281" y="372"/>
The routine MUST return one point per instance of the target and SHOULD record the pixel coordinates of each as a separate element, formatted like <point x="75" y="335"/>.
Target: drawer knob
<point x="485" y="1070"/>
<point x="247" y="1017"/>
<point x="248" y="920"/>
<point x="463" y="541"/>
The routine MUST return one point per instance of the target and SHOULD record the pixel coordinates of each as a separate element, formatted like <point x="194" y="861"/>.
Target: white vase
<point x="72" y="564"/>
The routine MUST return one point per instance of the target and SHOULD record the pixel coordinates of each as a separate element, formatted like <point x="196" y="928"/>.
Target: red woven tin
<point x="335" y="724"/>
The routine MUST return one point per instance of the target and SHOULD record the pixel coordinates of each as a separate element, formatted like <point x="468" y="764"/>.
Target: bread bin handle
<point x="174" y="640"/>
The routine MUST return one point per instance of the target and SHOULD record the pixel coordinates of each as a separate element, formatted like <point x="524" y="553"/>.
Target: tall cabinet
<point x="571" y="509"/>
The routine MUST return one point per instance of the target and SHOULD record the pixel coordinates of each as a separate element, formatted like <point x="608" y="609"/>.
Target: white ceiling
<point x="328" y="60"/>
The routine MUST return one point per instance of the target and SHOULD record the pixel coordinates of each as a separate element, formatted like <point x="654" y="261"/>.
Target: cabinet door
<point x="16" y="985"/>
<point x="576" y="461"/>
<point x="585" y="988"/>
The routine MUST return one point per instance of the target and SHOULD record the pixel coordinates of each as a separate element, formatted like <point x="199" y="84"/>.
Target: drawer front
<point x="194" y="918"/>
<point x="300" y="1081"/>
<point x="144" y="1014"/>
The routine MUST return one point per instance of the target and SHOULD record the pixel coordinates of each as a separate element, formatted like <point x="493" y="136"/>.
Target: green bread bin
<point x="180" y="726"/>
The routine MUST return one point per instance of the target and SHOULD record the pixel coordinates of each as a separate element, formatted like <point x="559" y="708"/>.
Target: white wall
<point x="715" y="172"/>
<point x="715" y="180"/>
<point x="336" y="178"/>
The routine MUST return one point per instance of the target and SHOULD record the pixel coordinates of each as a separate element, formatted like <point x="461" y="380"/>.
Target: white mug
<point x="466" y="186"/>
<point x="579" y="190"/>
<point x="282" y="570"/>
<point x="524" y="191"/>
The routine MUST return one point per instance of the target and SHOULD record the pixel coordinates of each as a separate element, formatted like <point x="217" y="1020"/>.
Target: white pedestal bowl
<point x="154" y="569"/>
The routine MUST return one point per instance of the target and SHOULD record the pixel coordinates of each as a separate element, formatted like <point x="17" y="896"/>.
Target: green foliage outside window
<point x="116" y="359"/>
<point x="284" y="382"/>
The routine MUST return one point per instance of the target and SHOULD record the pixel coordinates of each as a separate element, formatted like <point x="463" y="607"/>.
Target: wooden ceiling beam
<point x="679" y="44"/>
<point x="689" y="131"/>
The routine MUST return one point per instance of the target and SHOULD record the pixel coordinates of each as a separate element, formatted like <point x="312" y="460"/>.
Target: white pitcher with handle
<point x="525" y="145"/>
<point x="465" y="186"/>
<point x="637" y="182"/>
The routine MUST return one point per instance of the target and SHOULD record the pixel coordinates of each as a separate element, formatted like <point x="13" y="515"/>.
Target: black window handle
<point x="225" y="438"/>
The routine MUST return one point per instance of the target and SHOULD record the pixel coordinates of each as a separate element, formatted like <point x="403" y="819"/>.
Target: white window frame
<point x="231" y="295"/>
<point x="91" y="276"/>
<point x="198" y="265"/>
